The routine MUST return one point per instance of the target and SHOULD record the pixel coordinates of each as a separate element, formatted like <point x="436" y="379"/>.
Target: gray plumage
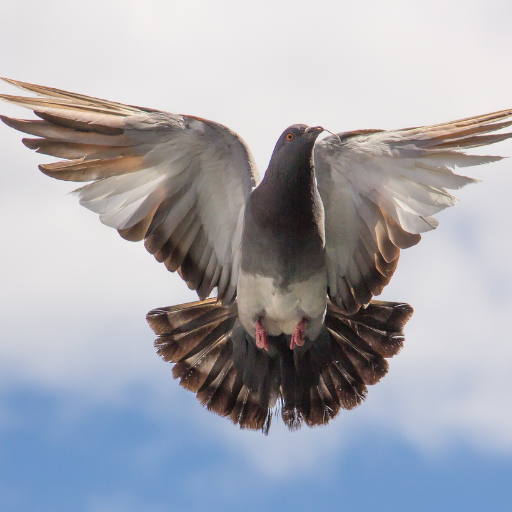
<point x="296" y="259"/>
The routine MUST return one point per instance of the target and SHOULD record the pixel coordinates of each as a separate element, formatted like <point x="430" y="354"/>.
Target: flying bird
<point x="296" y="258"/>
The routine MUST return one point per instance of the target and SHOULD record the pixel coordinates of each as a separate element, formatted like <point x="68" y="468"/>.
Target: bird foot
<point x="298" y="335"/>
<point x="261" y="336"/>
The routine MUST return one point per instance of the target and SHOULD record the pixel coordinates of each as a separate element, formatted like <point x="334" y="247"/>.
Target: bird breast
<point x="281" y="309"/>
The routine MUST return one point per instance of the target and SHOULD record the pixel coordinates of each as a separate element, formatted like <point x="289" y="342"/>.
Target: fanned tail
<point x="198" y="337"/>
<point x="216" y="359"/>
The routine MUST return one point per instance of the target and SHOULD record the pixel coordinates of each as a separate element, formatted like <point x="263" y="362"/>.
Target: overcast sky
<point x="77" y="363"/>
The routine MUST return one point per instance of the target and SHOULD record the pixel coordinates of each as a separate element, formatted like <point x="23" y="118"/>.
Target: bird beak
<point x="311" y="129"/>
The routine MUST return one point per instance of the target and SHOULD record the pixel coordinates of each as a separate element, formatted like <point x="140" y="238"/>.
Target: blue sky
<point x="90" y="417"/>
<point x="122" y="459"/>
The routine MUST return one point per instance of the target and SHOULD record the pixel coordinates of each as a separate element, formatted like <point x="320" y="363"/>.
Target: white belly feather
<point x="280" y="311"/>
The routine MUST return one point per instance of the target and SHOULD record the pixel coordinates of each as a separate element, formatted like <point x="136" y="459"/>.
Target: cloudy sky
<point x="91" y="419"/>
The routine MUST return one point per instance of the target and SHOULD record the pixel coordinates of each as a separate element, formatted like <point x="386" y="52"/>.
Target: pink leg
<point x="261" y="336"/>
<point x="298" y="335"/>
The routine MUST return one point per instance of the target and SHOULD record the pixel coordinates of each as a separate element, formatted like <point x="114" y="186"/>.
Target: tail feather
<point x="221" y="393"/>
<point x="380" y="325"/>
<point x="249" y="412"/>
<point x="321" y="407"/>
<point x="216" y="359"/>
<point x="182" y="318"/>
<point x="369" y="365"/>
<point x="349" y="385"/>
<point x="200" y="369"/>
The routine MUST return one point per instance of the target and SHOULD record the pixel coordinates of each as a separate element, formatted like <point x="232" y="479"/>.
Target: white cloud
<point x="74" y="294"/>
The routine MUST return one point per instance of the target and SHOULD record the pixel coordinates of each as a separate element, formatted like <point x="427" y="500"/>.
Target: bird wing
<point x="178" y="182"/>
<point x="380" y="190"/>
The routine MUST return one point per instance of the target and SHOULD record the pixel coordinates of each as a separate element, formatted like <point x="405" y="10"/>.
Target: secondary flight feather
<point x="295" y="258"/>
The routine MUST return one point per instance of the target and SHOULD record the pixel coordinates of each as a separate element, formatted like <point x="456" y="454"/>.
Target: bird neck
<point x="297" y="177"/>
<point x="290" y="191"/>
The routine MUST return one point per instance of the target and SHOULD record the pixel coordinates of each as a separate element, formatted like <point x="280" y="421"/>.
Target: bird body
<point x="282" y="275"/>
<point x="296" y="259"/>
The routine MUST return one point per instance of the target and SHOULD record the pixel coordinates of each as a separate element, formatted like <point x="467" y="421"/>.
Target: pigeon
<point x="296" y="258"/>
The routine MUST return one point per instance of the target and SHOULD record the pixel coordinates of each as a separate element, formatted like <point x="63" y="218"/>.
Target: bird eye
<point x="289" y="136"/>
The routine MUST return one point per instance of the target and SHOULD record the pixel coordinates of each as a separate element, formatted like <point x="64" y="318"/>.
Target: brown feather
<point x="211" y="273"/>
<point x="183" y="242"/>
<point x="201" y="366"/>
<point x="65" y="106"/>
<point x="168" y="320"/>
<point x="469" y="132"/>
<point x="177" y="347"/>
<point x="59" y="133"/>
<point x="380" y="325"/>
<point x="222" y="398"/>
<point x="81" y="126"/>
<point x="345" y="300"/>
<point x="191" y="266"/>
<point x="352" y="387"/>
<point x="158" y="233"/>
<point x="474" y="142"/>
<point x="378" y="229"/>
<point x="138" y="231"/>
<point x="51" y="92"/>
<point x="318" y="413"/>
<point x="356" y="281"/>
<point x="90" y="170"/>
<point x="399" y="237"/>
<point x="312" y="385"/>
<point x="74" y="151"/>
<point x="164" y="253"/>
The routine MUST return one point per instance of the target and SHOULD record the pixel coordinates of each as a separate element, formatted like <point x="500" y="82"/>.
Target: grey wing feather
<point x="178" y="182"/>
<point x="380" y="190"/>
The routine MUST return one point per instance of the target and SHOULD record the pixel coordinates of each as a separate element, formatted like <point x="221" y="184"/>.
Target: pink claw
<point x="298" y="335"/>
<point x="261" y="336"/>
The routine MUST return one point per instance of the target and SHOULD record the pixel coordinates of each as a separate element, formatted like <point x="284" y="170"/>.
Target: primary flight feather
<point x="296" y="258"/>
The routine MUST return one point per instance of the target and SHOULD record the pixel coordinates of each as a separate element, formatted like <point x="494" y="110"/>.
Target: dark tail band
<point x="216" y="359"/>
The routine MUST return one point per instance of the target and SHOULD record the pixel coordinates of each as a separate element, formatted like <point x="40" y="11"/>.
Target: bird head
<point x="295" y="144"/>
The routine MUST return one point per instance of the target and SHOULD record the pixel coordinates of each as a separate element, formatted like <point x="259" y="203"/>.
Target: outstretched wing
<point x="380" y="190"/>
<point x="178" y="182"/>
